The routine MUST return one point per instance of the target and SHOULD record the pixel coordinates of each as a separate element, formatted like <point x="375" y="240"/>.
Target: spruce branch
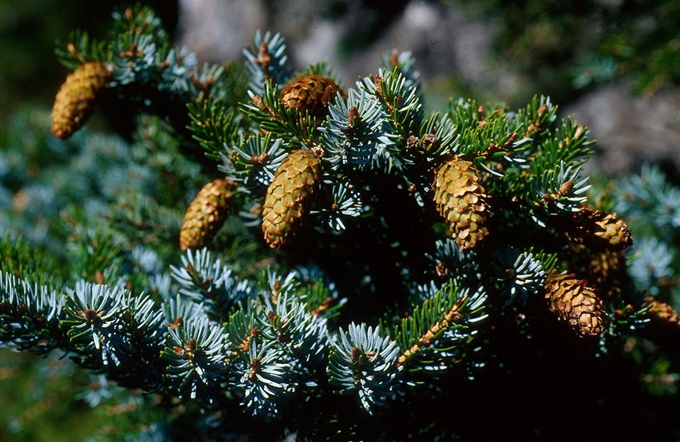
<point x="404" y="115"/>
<point x="649" y="196"/>
<point x="651" y="263"/>
<point x="319" y="293"/>
<point x="177" y="73"/>
<point x="266" y="61"/>
<point x="561" y="190"/>
<point x="302" y="333"/>
<point x="629" y="313"/>
<point x="262" y="377"/>
<point x="29" y="315"/>
<point x="448" y="260"/>
<point x="354" y="132"/>
<point x="28" y="262"/>
<point x="321" y="69"/>
<point x="93" y="313"/>
<point x="264" y="370"/>
<point x="337" y="200"/>
<point x="568" y="144"/>
<point x="403" y="64"/>
<point x="440" y="322"/>
<point x="271" y="116"/>
<point x="357" y="189"/>
<point x="273" y="285"/>
<point x="79" y="49"/>
<point x="536" y="118"/>
<point x="482" y="130"/>
<point x="96" y="255"/>
<point x="204" y="279"/>
<point x="179" y="308"/>
<point x="139" y="19"/>
<point x="194" y="359"/>
<point x="142" y="68"/>
<point x="438" y="137"/>
<point x="254" y="161"/>
<point x="135" y="59"/>
<point x="142" y="218"/>
<point x="520" y="275"/>
<point x="214" y="124"/>
<point x="365" y="364"/>
<point x="142" y="328"/>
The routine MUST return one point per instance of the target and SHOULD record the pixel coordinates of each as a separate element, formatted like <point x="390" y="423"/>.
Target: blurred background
<point x="613" y="64"/>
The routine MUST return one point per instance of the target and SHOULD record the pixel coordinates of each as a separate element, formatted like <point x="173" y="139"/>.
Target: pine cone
<point x="311" y="93"/>
<point x="206" y="214"/>
<point x="290" y="196"/>
<point x="461" y="201"/>
<point x="663" y="327"/>
<point x="573" y="301"/>
<point x="662" y="313"/>
<point x="78" y="97"/>
<point x="598" y="229"/>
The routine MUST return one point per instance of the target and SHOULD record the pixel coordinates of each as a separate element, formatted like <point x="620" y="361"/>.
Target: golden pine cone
<point x="290" y="196"/>
<point x="598" y="229"/>
<point x="311" y="93"/>
<point x="662" y="313"/>
<point x="77" y="98"/>
<point x="573" y="301"/>
<point x="206" y="214"/>
<point x="461" y="201"/>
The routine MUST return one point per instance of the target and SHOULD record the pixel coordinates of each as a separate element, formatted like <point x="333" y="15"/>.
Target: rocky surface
<point x="630" y="129"/>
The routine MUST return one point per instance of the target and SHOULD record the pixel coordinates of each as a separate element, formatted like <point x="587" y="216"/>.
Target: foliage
<point x="578" y="44"/>
<point x="375" y="311"/>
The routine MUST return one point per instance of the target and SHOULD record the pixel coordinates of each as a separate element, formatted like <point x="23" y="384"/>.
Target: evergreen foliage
<point x="373" y="311"/>
<point x="564" y="47"/>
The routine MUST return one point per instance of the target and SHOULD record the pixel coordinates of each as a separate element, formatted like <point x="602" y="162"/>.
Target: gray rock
<point x="630" y="129"/>
<point x="217" y="30"/>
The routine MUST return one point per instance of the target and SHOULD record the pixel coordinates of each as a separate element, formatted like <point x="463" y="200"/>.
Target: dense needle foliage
<point x="352" y="265"/>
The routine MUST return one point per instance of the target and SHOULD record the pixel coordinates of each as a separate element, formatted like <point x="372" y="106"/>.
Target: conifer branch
<point x="442" y="312"/>
<point x="321" y="210"/>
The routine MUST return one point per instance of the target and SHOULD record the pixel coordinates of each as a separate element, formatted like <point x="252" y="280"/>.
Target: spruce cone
<point x="311" y="93"/>
<point x="290" y="196"/>
<point x="664" y="323"/>
<point x="461" y="201"/>
<point x="662" y="313"/>
<point x="206" y="214"/>
<point x="573" y="301"/>
<point x="78" y="97"/>
<point x="597" y="229"/>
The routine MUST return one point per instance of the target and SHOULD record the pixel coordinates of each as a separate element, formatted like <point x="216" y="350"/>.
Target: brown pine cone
<point x="599" y="230"/>
<point x="311" y="93"/>
<point x="77" y="98"/>
<point x="290" y="196"/>
<point x="461" y="200"/>
<point x="206" y="214"/>
<point x="574" y="302"/>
